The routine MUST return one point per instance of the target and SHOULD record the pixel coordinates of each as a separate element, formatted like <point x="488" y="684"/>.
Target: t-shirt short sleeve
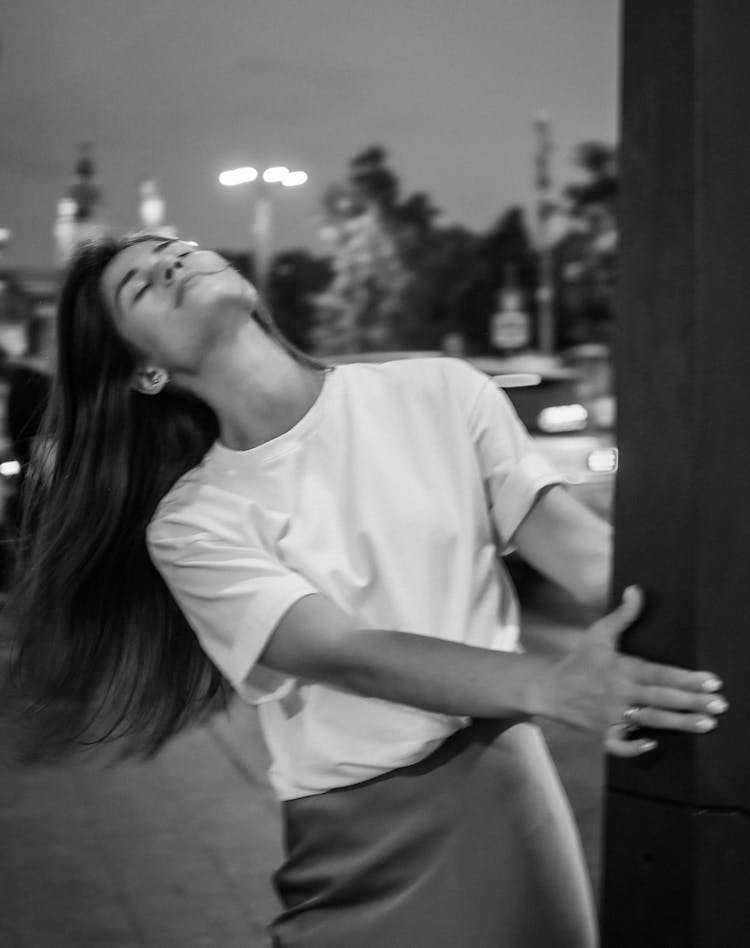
<point x="233" y="596"/>
<point x="513" y="469"/>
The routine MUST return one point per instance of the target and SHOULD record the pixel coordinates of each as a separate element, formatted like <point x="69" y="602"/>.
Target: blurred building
<point x="152" y="209"/>
<point x="28" y="295"/>
<point x="27" y="305"/>
<point x="78" y="211"/>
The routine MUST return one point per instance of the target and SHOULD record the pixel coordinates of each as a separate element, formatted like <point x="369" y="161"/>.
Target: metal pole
<point x="262" y="236"/>
<point x="545" y="293"/>
<point x="678" y="820"/>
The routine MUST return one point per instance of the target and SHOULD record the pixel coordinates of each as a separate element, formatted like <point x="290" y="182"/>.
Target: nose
<point x="167" y="268"/>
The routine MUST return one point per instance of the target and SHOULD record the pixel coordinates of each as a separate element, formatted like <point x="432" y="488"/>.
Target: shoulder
<point x="193" y="508"/>
<point x="440" y="377"/>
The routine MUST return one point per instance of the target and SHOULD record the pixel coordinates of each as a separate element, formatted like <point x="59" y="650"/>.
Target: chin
<point x="249" y="293"/>
<point x="224" y="288"/>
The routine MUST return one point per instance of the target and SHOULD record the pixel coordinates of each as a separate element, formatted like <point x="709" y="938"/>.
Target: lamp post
<point x="545" y="293"/>
<point x="261" y="228"/>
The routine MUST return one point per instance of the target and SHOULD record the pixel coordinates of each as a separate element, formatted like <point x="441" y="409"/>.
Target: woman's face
<point x="173" y="301"/>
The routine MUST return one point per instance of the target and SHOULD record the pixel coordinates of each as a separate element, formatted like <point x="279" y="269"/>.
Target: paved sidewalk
<point x="178" y="852"/>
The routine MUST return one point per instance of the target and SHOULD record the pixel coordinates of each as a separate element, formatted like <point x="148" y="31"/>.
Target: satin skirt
<point x="473" y="847"/>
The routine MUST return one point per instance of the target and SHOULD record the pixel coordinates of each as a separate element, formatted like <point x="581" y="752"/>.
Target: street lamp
<point x="545" y="293"/>
<point x="262" y="221"/>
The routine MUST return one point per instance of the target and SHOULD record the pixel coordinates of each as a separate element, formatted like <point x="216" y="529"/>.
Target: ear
<point x="149" y="379"/>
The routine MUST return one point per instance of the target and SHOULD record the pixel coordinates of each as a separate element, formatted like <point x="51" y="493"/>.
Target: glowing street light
<point x="262" y="209"/>
<point x="294" y="179"/>
<point x="237" y="176"/>
<point x="275" y="175"/>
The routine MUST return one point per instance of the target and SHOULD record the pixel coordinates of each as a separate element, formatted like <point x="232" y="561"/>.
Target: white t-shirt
<point x="392" y="496"/>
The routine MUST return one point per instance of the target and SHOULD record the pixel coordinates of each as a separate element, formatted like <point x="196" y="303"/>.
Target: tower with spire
<point x="152" y="209"/>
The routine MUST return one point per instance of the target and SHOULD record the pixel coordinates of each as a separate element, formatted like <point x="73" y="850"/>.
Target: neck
<point x="257" y="390"/>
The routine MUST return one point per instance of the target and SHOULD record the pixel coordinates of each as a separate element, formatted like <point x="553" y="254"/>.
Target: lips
<point x="182" y="284"/>
<point x="191" y="275"/>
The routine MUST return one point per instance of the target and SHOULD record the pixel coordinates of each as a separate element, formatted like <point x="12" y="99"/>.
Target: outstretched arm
<point x="589" y="688"/>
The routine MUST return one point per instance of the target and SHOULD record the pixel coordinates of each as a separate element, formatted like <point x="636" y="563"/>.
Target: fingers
<point x="619" y="742"/>
<point x="669" y="676"/>
<point x="614" y="623"/>
<point x="676" y="699"/>
<point x="618" y="737"/>
<point x="672" y="720"/>
<point x="669" y="709"/>
<point x="649" y="694"/>
<point x="616" y="742"/>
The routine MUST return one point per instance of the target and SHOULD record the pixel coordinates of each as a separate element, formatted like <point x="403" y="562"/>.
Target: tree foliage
<point x="364" y="307"/>
<point x="295" y="277"/>
<point x="586" y="255"/>
<point x="474" y="295"/>
<point x="401" y="280"/>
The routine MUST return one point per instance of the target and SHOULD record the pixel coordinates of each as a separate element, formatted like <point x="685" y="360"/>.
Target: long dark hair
<point x="104" y="652"/>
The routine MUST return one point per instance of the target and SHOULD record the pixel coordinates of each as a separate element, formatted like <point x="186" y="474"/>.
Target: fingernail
<point x="629" y="592"/>
<point x="717" y="706"/>
<point x="648" y="745"/>
<point x="712" y="684"/>
<point x="705" y="724"/>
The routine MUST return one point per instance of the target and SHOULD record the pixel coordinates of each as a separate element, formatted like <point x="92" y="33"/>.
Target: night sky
<point x="179" y="90"/>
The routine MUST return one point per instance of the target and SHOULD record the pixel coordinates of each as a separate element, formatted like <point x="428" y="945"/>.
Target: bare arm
<point x="318" y="641"/>
<point x="570" y="545"/>
<point x="590" y="688"/>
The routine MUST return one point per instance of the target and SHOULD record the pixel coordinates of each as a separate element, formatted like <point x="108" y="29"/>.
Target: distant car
<point x="570" y="421"/>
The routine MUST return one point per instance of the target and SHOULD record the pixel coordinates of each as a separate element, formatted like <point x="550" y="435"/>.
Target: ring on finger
<point x="630" y="715"/>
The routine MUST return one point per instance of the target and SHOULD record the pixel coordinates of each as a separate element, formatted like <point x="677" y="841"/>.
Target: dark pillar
<point x="677" y="859"/>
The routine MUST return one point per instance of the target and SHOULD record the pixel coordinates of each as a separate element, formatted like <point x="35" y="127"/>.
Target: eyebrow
<point x="133" y="271"/>
<point x="165" y="243"/>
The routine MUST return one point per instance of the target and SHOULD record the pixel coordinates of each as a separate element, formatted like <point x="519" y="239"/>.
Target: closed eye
<point x="141" y="290"/>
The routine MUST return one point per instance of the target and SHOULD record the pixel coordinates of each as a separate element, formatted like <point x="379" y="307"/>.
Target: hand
<point x="598" y="688"/>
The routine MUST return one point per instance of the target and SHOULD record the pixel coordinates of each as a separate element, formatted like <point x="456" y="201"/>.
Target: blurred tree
<point x="417" y="213"/>
<point x="295" y="278"/>
<point x="598" y="192"/>
<point x="364" y="307"/>
<point x="439" y="259"/>
<point x="373" y="181"/>
<point x="401" y="280"/>
<point x="586" y="254"/>
<point x="241" y="260"/>
<point x="474" y="295"/>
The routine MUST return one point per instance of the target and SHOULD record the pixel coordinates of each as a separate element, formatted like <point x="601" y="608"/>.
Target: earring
<point x="155" y="381"/>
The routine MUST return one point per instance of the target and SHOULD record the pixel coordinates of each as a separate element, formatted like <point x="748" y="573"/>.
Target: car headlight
<point x="558" y="418"/>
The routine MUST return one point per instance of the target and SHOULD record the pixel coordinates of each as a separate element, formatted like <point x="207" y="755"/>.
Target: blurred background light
<point x="294" y="178"/>
<point x="558" y="418"/>
<point x="275" y="174"/>
<point x="237" y="176"/>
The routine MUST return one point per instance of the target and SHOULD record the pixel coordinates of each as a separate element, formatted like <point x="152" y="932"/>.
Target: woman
<point x="222" y="508"/>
